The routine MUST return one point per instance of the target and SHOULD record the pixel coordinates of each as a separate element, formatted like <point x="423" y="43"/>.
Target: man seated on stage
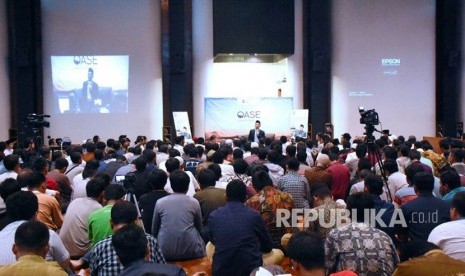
<point x="301" y="133"/>
<point x="256" y="134"/>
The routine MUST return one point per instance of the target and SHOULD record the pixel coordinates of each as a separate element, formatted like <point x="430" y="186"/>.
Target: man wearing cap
<point x="256" y="133"/>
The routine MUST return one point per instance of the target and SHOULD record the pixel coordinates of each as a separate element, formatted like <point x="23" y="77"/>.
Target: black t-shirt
<point x="147" y="205"/>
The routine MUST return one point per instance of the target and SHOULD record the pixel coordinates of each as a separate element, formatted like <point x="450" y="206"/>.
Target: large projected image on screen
<point x="90" y="84"/>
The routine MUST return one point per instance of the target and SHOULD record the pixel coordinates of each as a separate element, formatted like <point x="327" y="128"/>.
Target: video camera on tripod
<point x="370" y="119"/>
<point x="129" y="182"/>
<point x="35" y="121"/>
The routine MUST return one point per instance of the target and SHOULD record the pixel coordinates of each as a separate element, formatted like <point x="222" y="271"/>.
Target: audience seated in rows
<point x="272" y="174"/>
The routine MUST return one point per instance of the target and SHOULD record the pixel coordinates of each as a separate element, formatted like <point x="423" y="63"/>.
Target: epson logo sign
<point x="390" y="61"/>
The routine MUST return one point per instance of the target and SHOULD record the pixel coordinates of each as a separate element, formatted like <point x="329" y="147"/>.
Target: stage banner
<point x="181" y="123"/>
<point x="299" y="123"/>
<point x="230" y="117"/>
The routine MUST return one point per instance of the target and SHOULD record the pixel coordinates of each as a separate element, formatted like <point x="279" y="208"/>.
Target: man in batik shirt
<point x="360" y="247"/>
<point x="266" y="202"/>
<point x="326" y="212"/>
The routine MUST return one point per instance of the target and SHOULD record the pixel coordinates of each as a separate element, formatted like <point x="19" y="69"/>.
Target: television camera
<point x="35" y="121"/>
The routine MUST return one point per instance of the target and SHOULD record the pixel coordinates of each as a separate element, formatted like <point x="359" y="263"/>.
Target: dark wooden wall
<point x="448" y="63"/>
<point x="317" y="62"/>
<point x="24" y="63"/>
<point x="176" y="54"/>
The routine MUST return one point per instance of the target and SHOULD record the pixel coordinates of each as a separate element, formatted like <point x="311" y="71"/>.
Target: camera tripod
<point x="375" y="156"/>
<point x="130" y="196"/>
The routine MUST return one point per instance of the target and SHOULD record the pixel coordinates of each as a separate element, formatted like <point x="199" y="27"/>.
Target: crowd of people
<point x="332" y="206"/>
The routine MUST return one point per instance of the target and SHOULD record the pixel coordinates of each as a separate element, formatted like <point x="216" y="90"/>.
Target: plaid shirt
<point x="297" y="186"/>
<point x="104" y="262"/>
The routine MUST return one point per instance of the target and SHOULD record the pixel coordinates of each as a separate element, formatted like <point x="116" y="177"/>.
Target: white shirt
<point x="396" y="182"/>
<point x="179" y="148"/>
<point x="161" y="157"/>
<point x="162" y="166"/>
<point x="10" y="174"/>
<point x="73" y="170"/>
<point x="246" y="154"/>
<point x="284" y="146"/>
<point x="357" y="187"/>
<point x="221" y="184"/>
<point x="8" y="151"/>
<point x="426" y="161"/>
<point x="459" y="167"/>
<point x="227" y="170"/>
<point x="73" y="232"/>
<point x="193" y="185"/>
<point x="360" y="187"/>
<point x="79" y="187"/>
<point x="3" y="177"/>
<point x="450" y="238"/>
<point x="57" y="251"/>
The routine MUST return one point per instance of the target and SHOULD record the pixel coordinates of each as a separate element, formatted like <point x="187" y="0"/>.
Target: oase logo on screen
<point x="248" y="114"/>
<point x="87" y="60"/>
<point x="390" y="61"/>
